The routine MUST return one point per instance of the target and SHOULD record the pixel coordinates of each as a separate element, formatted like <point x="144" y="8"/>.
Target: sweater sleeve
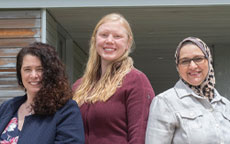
<point x="69" y="125"/>
<point x="138" y="101"/>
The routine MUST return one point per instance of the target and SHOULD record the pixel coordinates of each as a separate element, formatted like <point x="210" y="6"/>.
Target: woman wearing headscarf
<point x="191" y="112"/>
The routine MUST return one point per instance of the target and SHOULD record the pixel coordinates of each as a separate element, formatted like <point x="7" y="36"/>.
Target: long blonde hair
<point x="95" y="87"/>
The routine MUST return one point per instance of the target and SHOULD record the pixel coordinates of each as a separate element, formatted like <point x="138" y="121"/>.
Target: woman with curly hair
<point x="45" y="114"/>
<point x="113" y="96"/>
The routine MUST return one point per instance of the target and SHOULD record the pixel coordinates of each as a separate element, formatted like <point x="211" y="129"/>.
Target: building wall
<point x="69" y="51"/>
<point x="18" y="28"/>
<point x="105" y="3"/>
<point x="51" y="30"/>
<point x="222" y="69"/>
<point x="80" y="58"/>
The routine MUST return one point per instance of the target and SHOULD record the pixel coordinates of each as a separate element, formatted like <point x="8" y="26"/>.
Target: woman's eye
<point x="185" y="61"/>
<point x="198" y="59"/>
<point x="40" y="70"/>
<point x="117" y="36"/>
<point x="27" y="70"/>
<point x="104" y="35"/>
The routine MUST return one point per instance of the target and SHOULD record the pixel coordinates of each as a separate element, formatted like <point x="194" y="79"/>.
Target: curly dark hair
<point x="55" y="90"/>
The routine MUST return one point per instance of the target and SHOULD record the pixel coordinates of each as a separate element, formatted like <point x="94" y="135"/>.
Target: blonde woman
<point x="113" y="96"/>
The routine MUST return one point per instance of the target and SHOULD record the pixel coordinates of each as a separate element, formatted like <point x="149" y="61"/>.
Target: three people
<point x="45" y="114"/>
<point x="114" y="97"/>
<point x="192" y="111"/>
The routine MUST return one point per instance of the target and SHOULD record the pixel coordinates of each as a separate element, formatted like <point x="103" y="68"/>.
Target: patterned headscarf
<point x="206" y="88"/>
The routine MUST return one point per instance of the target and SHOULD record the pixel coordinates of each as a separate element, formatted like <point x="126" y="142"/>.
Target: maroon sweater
<point x="122" y="119"/>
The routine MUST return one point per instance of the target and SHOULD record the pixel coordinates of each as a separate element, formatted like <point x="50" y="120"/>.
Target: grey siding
<point x="51" y="30"/>
<point x="70" y="53"/>
<point x="80" y="58"/>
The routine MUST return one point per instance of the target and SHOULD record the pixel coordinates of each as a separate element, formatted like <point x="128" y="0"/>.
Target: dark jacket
<point x="64" y="127"/>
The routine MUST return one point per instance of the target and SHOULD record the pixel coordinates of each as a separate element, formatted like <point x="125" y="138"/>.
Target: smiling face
<point x="111" y="41"/>
<point x="193" y="73"/>
<point x="31" y="73"/>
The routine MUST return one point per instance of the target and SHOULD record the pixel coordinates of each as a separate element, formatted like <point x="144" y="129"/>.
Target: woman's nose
<point x="192" y="64"/>
<point x="109" y="39"/>
<point x="34" y="73"/>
